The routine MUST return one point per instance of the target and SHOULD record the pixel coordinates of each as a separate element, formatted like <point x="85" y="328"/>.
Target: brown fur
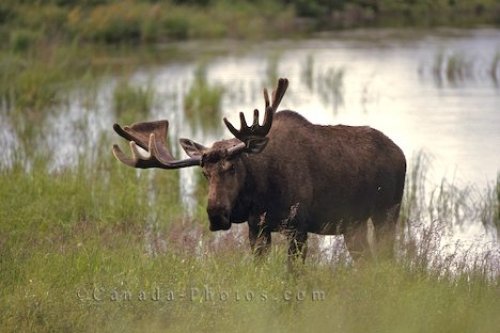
<point x="327" y="180"/>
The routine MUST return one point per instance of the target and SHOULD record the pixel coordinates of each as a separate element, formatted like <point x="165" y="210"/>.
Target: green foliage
<point x="92" y="241"/>
<point x="495" y="68"/>
<point x="316" y="8"/>
<point x="139" y="21"/>
<point x="193" y="2"/>
<point x="176" y="26"/>
<point x="497" y="217"/>
<point x="132" y="22"/>
<point x="307" y="72"/>
<point x="28" y="83"/>
<point x="202" y="102"/>
<point x="22" y="40"/>
<point x="131" y="103"/>
<point x="331" y="87"/>
<point x="6" y="13"/>
<point x="116" y="22"/>
<point x="458" y="67"/>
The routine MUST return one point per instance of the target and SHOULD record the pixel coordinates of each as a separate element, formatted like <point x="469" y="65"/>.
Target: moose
<point x="289" y="175"/>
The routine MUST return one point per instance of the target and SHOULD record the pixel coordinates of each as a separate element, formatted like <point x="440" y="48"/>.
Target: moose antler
<point x="151" y="136"/>
<point x="253" y="137"/>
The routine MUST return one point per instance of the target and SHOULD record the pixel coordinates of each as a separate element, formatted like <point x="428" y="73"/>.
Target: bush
<point x="21" y="40"/>
<point x="117" y="22"/>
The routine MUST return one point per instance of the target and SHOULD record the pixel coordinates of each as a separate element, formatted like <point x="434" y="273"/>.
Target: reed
<point x="102" y="247"/>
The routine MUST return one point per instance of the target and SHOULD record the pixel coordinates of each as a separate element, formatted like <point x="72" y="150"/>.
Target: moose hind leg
<point x="385" y="232"/>
<point x="356" y="240"/>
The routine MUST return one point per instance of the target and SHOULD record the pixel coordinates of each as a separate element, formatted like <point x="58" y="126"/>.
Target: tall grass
<point x="272" y="68"/>
<point x="458" y="67"/>
<point x="107" y="248"/>
<point x="454" y="68"/>
<point x="328" y="82"/>
<point x="430" y="216"/>
<point x="202" y="102"/>
<point x="307" y="72"/>
<point x="497" y="215"/>
<point x="132" y="102"/>
<point x="331" y="87"/>
<point x="495" y="67"/>
<point x="30" y="23"/>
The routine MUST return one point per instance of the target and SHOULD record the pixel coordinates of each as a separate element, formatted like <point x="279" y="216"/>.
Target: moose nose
<point x="219" y="218"/>
<point x="215" y="209"/>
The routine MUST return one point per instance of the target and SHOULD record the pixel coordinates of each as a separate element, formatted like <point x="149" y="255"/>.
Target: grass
<point x="29" y="82"/>
<point x="202" y="102"/>
<point x="496" y="193"/>
<point x="131" y="103"/>
<point x="272" y="67"/>
<point x="458" y="67"/>
<point x="330" y="85"/>
<point x="307" y="72"/>
<point x="107" y="248"/>
<point x="453" y="68"/>
<point x="32" y="23"/>
<point x="494" y="67"/>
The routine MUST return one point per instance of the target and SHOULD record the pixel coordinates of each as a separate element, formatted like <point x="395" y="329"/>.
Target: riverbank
<point x="34" y="24"/>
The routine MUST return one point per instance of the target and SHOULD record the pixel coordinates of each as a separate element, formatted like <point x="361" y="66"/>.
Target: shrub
<point x="21" y="40"/>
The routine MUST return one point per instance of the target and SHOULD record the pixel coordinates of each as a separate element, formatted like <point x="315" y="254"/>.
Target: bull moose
<point x="288" y="175"/>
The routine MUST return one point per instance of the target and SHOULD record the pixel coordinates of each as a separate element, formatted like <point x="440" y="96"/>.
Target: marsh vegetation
<point x="103" y="247"/>
<point x="87" y="244"/>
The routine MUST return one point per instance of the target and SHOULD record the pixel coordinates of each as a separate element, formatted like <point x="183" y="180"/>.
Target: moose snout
<point x="219" y="217"/>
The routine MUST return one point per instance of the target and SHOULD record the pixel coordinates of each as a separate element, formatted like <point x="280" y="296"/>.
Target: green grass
<point x="202" y="102"/>
<point x="453" y="68"/>
<point x="121" y="234"/>
<point x="131" y="102"/>
<point x="31" y="23"/>
<point x="307" y="72"/>
<point x="495" y="67"/>
<point x="331" y="87"/>
<point x="458" y="67"/>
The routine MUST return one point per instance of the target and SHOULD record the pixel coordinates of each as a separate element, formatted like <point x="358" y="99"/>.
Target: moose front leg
<point x="260" y="239"/>
<point x="297" y="245"/>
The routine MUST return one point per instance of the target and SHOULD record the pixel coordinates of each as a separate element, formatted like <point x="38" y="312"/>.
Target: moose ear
<point x="193" y="149"/>
<point x="255" y="146"/>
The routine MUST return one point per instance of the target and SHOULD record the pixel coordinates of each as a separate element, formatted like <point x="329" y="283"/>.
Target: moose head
<point x="223" y="164"/>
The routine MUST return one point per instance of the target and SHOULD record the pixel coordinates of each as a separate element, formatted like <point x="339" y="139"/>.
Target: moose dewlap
<point x="289" y="175"/>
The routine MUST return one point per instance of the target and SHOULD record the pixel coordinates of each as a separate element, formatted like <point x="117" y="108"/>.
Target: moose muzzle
<point x="219" y="218"/>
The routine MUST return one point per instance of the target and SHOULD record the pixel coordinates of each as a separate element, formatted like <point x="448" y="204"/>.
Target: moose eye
<point x="229" y="167"/>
